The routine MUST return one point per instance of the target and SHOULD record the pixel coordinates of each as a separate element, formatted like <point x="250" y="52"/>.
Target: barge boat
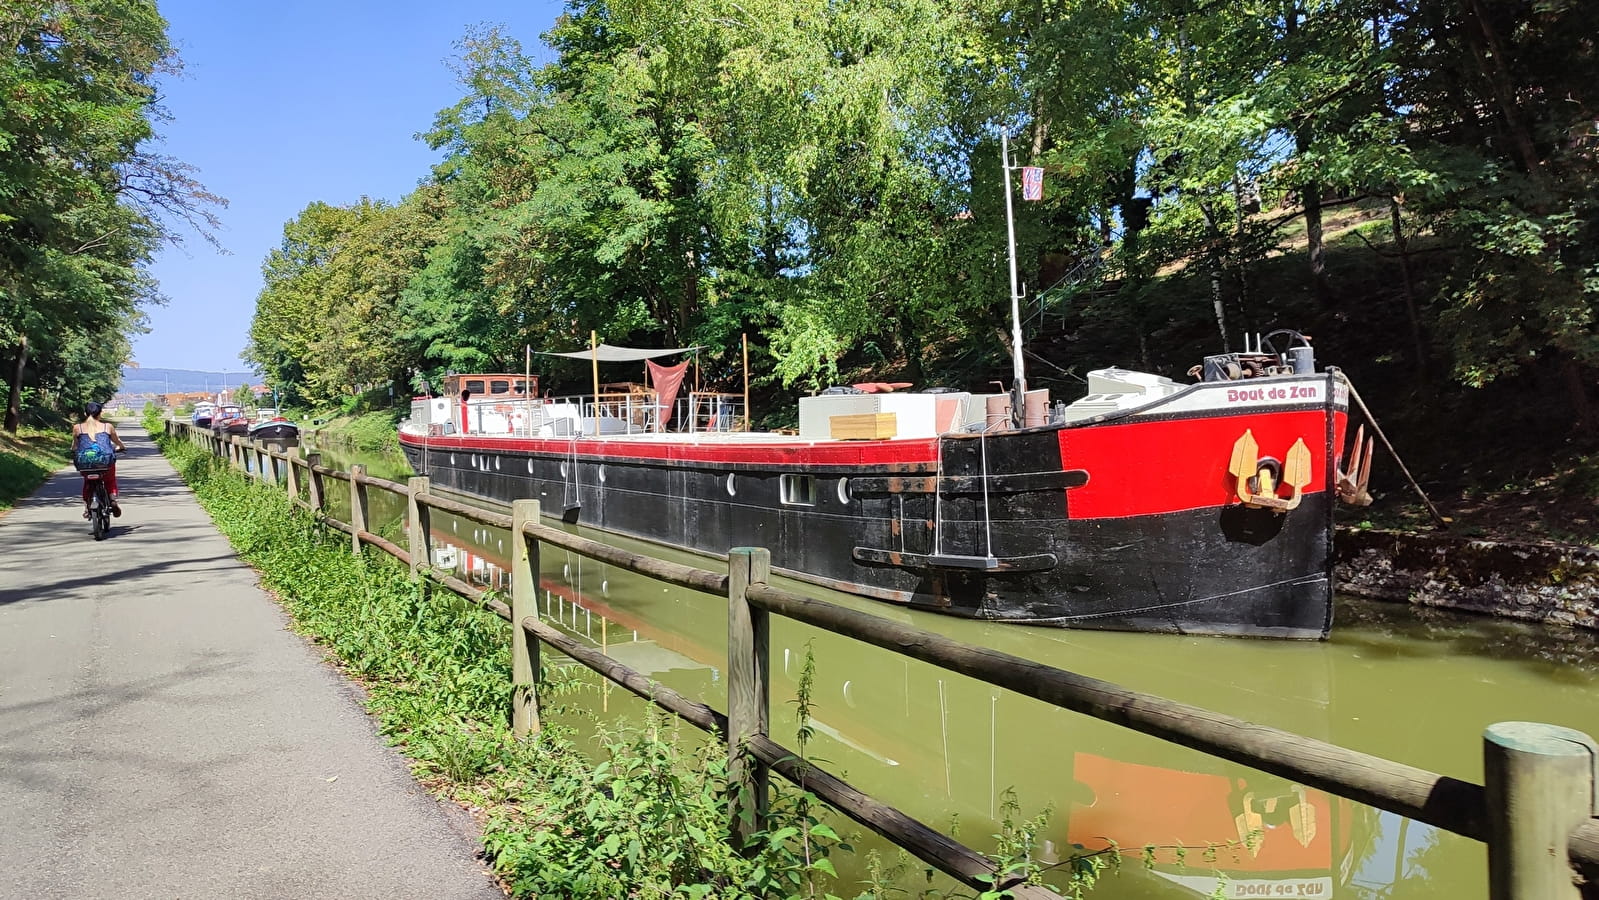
<point x="1145" y="506"/>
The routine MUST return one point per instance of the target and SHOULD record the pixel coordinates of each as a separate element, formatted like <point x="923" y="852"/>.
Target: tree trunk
<point x="1403" y="246"/>
<point x="688" y="300"/>
<point x="1581" y="406"/>
<point x="1315" y="248"/>
<point x="1216" y="301"/>
<point x="1310" y="188"/>
<point x="1490" y="56"/>
<point x="14" y="406"/>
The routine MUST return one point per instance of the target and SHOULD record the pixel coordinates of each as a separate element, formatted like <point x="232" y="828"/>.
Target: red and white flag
<point x="1032" y="183"/>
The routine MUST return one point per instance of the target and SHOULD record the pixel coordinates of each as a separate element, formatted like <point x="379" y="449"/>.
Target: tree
<point x="83" y="204"/>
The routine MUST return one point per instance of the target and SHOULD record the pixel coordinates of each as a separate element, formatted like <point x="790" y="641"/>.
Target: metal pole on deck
<point x="1018" y="413"/>
<point x="746" y="338"/>
<point x="594" y="351"/>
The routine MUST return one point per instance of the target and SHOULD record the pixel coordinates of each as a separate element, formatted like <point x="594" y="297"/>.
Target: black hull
<point x="1226" y="570"/>
<point x="277" y="434"/>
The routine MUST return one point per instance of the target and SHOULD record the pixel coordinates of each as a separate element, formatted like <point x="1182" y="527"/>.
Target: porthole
<point x="496" y="464"/>
<point x="843" y="490"/>
<point x="452" y="459"/>
<point x="563" y="468"/>
<point x="530" y="467"/>
<point x="731" y="488"/>
<point x="602" y="475"/>
<point x="605" y="588"/>
<point x="849" y="696"/>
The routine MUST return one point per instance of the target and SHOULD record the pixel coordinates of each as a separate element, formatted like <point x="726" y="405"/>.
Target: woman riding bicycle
<point x="93" y="431"/>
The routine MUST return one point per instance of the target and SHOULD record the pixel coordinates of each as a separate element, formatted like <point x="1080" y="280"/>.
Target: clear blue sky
<point x="284" y="103"/>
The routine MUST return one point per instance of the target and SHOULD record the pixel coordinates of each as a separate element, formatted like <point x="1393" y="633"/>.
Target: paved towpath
<point x="162" y="735"/>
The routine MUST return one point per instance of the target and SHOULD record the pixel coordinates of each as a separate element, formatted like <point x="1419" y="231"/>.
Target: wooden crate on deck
<point x="863" y="426"/>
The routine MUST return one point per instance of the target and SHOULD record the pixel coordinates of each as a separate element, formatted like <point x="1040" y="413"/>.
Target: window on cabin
<point x="798" y="490"/>
<point x="499" y="387"/>
<point x="475" y="387"/>
<point x="521" y="387"/>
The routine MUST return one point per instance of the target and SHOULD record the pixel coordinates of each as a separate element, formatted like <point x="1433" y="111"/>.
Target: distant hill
<point x="165" y="381"/>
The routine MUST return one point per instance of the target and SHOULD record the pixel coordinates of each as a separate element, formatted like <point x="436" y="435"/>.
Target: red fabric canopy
<point x="666" y="381"/>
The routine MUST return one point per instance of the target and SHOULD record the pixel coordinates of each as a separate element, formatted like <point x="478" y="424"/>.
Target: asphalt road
<point x="163" y="735"/>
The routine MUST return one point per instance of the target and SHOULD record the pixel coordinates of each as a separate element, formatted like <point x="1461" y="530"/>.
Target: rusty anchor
<point x="1351" y="481"/>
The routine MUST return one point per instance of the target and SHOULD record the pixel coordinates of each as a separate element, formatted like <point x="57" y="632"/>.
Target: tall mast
<point x="1018" y="370"/>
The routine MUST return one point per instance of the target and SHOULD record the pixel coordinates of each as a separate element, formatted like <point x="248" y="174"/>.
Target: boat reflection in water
<point x="946" y="748"/>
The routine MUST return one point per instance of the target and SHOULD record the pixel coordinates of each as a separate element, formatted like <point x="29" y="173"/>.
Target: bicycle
<point x="99" y="504"/>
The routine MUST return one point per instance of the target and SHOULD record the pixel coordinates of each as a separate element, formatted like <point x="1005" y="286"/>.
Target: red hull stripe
<point x="1146" y="468"/>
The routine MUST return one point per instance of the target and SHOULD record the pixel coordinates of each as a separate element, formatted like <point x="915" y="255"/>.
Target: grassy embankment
<point x="373" y="430"/>
<point x="647" y="820"/>
<point x="27" y="459"/>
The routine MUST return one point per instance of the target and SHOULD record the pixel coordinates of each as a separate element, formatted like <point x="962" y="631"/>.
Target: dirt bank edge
<point x="1553" y="583"/>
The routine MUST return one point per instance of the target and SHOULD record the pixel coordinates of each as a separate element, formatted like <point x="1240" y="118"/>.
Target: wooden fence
<point x="1538" y="812"/>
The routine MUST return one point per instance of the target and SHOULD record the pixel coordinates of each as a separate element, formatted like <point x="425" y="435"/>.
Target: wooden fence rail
<point x="1538" y="812"/>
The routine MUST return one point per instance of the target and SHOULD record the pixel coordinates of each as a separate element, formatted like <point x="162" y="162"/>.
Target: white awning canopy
<point x="608" y="353"/>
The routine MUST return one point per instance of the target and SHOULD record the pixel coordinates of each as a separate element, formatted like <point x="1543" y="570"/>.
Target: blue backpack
<point x="90" y="453"/>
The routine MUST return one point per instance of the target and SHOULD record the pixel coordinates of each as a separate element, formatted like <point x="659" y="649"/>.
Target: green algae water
<point x="1413" y="685"/>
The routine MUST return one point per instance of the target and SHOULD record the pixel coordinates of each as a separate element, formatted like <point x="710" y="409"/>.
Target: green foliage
<point x="84" y="202"/>
<point x="373" y="431"/>
<point x="27" y="459"/>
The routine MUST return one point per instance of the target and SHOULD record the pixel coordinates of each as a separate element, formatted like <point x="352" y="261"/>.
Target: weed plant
<point x="643" y="814"/>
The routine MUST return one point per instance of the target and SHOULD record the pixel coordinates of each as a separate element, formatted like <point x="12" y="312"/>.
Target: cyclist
<point x="92" y="429"/>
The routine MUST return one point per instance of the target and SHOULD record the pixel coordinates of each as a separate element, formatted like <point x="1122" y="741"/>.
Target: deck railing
<point x="1538" y="812"/>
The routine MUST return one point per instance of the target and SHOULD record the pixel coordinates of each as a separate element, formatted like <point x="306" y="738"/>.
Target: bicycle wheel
<point x="99" y="514"/>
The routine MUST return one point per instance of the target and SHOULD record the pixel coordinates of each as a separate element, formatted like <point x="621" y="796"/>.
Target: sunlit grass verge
<point x="649" y="819"/>
<point x="373" y="431"/>
<point x="27" y="458"/>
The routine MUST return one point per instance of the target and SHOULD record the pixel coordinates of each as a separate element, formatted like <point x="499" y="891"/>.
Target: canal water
<point x="1413" y="685"/>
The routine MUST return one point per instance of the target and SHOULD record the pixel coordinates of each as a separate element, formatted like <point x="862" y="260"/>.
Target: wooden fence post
<point x="291" y="473"/>
<point x="357" y="506"/>
<point x="748" y="675"/>
<point x="314" y="481"/>
<point x="524" y="597"/>
<point x="417" y="530"/>
<point x="262" y="473"/>
<point x="1538" y="783"/>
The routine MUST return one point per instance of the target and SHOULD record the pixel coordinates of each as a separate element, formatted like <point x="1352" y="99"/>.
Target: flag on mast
<point x="1032" y="183"/>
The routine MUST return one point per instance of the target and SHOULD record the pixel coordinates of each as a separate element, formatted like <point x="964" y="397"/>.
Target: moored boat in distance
<point x="230" y="419"/>
<point x="203" y="412"/>
<point x="274" y="428"/>
<point x="1145" y="506"/>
